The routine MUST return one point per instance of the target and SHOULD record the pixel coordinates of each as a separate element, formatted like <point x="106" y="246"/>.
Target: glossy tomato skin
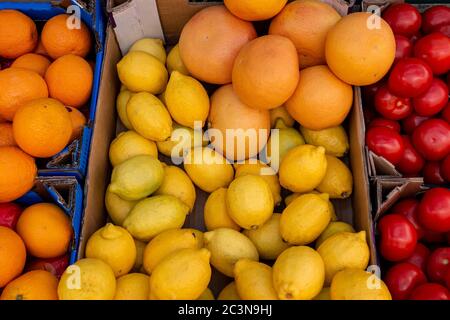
<point x="408" y="208"/>
<point x="433" y="100"/>
<point x="432" y="173"/>
<point x="419" y="257"/>
<point x="382" y="122"/>
<point x="438" y="264"/>
<point x="434" y="17"/>
<point x="432" y="139"/>
<point x="9" y="214"/>
<point x="430" y="291"/>
<point x="391" y="106"/>
<point x="434" y="210"/>
<point x="403" y="47"/>
<point x="445" y="115"/>
<point x="445" y="29"/>
<point x="434" y="49"/>
<point x="403" y="18"/>
<point x="445" y="169"/>
<point x="386" y="143"/>
<point x="398" y="237"/>
<point x="412" y="162"/>
<point x="402" y="278"/>
<point x="410" y="77"/>
<point x="411" y="122"/>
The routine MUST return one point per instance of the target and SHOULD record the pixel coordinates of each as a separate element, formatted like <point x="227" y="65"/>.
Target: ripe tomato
<point x="56" y="266"/>
<point x="408" y="208"/>
<point x="434" y="210"/>
<point x="398" y="237"/>
<point x="9" y="214"/>
<point x="410" y="77"/>
<point x="403" y="47"/>
<point x="403" y="18"/>
<point x="434" y="17"/>
<point x="430" y="291"/>
<point x="391" y="106"/>
<point x="438" y="264"/>
<point x="445" y="168"/>
<point x="434" y="49"/>
<point x="432" y="139"/>
<point x="382" y="122"/>
<point x="432" y="173"/>
<point x="446" y="113"/>
<point x="445" y="29"/>
<point x="412" y="162"/>
<point x="385" y="143"/>
<point x="433" y="100"/>
<point x="368" y="93"/>
<point x="411" y="122"/>
<point x="402" y="278"/>
<point x="419" y="257"/>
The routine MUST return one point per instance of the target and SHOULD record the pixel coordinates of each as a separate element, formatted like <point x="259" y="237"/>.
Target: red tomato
<point x="403" y="47"/>
<point x="411" y="122"/>
<point x="386" y="143"/>
<point x="447" y="279"/>
<point x="432" y="173"/>
<point x="408" y="208"/>
<point x="412" y="162"/>
<point x="446" y="113"/>
<point x="368" y="92"/>
<point x="9" y="214"/>
<point x="419" y="257"/>
<point x="445" y="168"/>
<point x="434" y="49"/>
<point x="398" y="237"/>
<point x="435" y="17"/>
<point x="403" y="18"/>
<point x="56" y="266"/>
<point x="433" y="237"/>
<point x="430" y="291"/>
<point x="434" y="210"/>
<point x="391" y="106"/>
<point x="382" y="122"/>
<point x="410" y="77"/>
<point x="445" y="29"/>
<point x="433" y="100"/>
<point x="402" y="278"/>
<point x="438" y="264"/>
<point x="432" y="139"/>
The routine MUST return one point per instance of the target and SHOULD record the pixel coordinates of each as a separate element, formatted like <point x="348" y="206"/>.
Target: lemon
<point x="215" y="212"/>
<point x="262" y="170"/>
<point x="154" y="215"/>
<point x="181" y="140"/>
<point x="208" y="169"/>
<point x="344" y="250"/>
<point x="133" y="286"/>
<point x="298" y="274"/>
<point x="174" y="62"/>
<point x="115" y="246"/>
<point x="140" y="247"/>
<point x="183" y="275"/>
<point x="303" y="168"/>
<point x="155" y="47"/>
<point x="333" y="228"/>
<point x="288" y="138"/>
<point x="206" y="295"/>
<point x="149" y="117"/>
<point x="177" y="183"/>
<point x="281" y="113"/>
<point x="137" y="178"/>
<point x="334" y="139"/>
<point x="267" y="238"/>
<point x="87" y="279"/>
<point x="249" y="201"/>
<point x="227" y="246"/>
<point x="170" y="241"/>
<point x="305" y="218"/>
<point x="338" y="180"/>
<point x="295" y="195"/>
<point x="324" y="294"/>
<point x="140" y="71"/>
<point x="118" y="208"/>
<point x="254" y="280"/>
<point x="121" y="106"/>
<point x="229" y="292"/>
<point x="129" y="144"/>
<point x="123" y="87"/>
<point x="357" y="284"/>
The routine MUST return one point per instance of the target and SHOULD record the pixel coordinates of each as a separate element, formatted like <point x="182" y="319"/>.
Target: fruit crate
<point x="66" y="192"/>
<point x="72" y="161"/>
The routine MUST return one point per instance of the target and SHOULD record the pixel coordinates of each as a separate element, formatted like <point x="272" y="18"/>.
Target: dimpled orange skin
<point x="6" y="135"/>
<point x="33" y="285"/>
<point x="78" y="122"/>
<point x="32" y="61"/>
<point x="18" y="34"/>
<point x="12" y="255"/>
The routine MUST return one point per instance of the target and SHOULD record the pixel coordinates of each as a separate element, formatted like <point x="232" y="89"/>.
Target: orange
<point x="59" y="40"/>
<point x="12" y="255"/>
<point x="33" y="285"/>
<point x="210" y="42"/>
<point x="32" y="61"/>
<point x="18" y="34"/>
<point x="78" y="122"/>
<point x="266" y="72"/>
<point x="360" y="48"/>
<point x="17" y="172"/>
<point x="306" y="23"/>
<point x="17" y="87"/>
<point x="45" y="229"/>
<point x="42" y="127"/>
<point x="69" y="80"/>
<point x="40" y="49"/>
<point x="6" y="135"/>
<point x="252" y="10"/>
<point x="321" y="99"/>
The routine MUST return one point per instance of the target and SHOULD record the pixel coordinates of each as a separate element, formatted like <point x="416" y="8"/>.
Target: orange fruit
<point x="360" y="48"/>
<point x="12" y="255"/>
<point x="32" y="61"/>
<point x="228" y="112"/>
<point x="19" y="86"/>
<point x="266" y="72"/>
<point x="321" y="99"/>
<point x="6" y="135"/>
<point x="78" y="122"/>
<point x="40" y="49"/>
<point x="306" y="23"/>
<point x="59" y="40"/>
<point x="45" y="229"/>
<point x="252" y="10"/>
<point x="69" y="80"/>
<point x="42" y="127"/>
<point x="210" y="42"/>
<point x="18" y="34"/>
<point x="33" y="285"/>
<point x="17" y="172"/>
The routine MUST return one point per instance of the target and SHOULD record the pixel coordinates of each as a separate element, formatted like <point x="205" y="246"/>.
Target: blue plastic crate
<point x="73" y="160"/>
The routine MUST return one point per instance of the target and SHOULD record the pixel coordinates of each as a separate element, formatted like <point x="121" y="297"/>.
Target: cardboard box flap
<point x="380" y="166"/>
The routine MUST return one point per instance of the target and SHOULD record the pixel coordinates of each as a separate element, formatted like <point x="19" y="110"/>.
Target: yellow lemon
<point x="286" y="139"/>
<point x="229" y="292"/>
<point x="338" y="180"/>
<point x="174" y="62"/>
<point x="324" y="294"/>
<point x="281" y="113"/>
<point x="333" y="228"/>
<point x="121" y="106"/>
<point x="215" y="212"/>
<point x="295" y="195"/>
<point x="155" y="47"/>
<point x="206" y="295"/>
<point x="129" y="144"/>
<point x="118" y="208"/>
<point x="133" y="286"/>
<point x="140" y="247"/>
<point x="181" y="140"/>
<point x="123" y="87"/>
<point x="334" y="139"/>
<point x="254" y="280"/>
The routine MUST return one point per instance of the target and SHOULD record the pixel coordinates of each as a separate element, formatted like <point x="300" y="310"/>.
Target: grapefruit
<point x="252" y="10"/>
